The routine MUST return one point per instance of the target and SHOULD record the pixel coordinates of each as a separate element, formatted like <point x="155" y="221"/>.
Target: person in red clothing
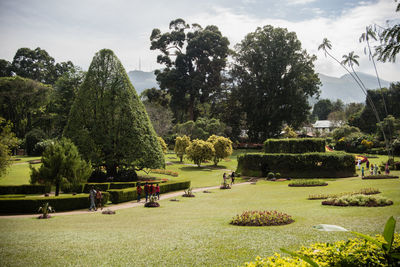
<point x="146" y="190"/>
<point x="139" y="191"/>
<point x="152" y="190"/>
<point x="158" y="191"/>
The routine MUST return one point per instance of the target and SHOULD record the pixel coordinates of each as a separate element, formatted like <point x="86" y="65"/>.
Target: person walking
<point x="92" y="198"/>
<point x="367" y="164"/>
<point x="158" y="191"/>
<point x="224" y="177"/>
<point x="387" y="170"/>
<point x="152" y="190"/>
<point x="232" y="178"/>
<point x="362" y="172"/>
<point x="139" y="191"/>
<point x="99" y="198"/>
<point x="146" y="190"/>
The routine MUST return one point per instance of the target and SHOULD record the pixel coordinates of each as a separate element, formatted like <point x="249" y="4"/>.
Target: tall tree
<point x="109" y="123"/>
<point x="5" y="68"/>
<point x="194" y="59"/>
<point x="8" y="141"/>
<point x="274" y="78"/>
<point x="22" y="101"/>
<point x="322" y="109"/>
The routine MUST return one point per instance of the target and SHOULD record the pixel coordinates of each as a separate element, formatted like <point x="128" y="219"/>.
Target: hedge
<point x="307" y="165"/>
<point x="129" y="194"/>
<point x="25" y="189"/>
<point x="31" y="204"/>
<point x="122" y="185"/>
<point x="101" y="186"/>
<point x="294" y="145"/>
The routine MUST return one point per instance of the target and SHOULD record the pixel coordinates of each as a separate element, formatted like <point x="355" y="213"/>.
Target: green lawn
<point x="193" y="231"/>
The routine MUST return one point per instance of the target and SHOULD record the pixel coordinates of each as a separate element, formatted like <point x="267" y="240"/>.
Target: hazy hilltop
<point x="344" y="88"/>
<point x="142" y="80"/>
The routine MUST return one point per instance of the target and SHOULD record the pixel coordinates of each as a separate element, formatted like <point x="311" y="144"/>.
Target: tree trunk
<point x="57" y="187"/>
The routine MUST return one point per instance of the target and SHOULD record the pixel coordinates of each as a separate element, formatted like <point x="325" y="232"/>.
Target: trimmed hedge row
<point x="294" y="145"/>
<point x="25" y="189"/>
<point x="129" y="194"/>
<point x="31" y="204"/>
<point x="308" y="165"/>
<point x="122" y="185"/>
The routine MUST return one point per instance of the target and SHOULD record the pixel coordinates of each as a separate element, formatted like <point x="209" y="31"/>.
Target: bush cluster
<point x="307" y="182"/>
<point x="261" y="218"/>
<point x="307" y="165"/>
<point x="294" y="145"/>
<point x="364" y="191"/>
<point x="25" y="189"/>
<point x="30" y="204"/>
<point x="358" y="200"/>
<point x="353" y="252"/>
<point x="380" y="176"/>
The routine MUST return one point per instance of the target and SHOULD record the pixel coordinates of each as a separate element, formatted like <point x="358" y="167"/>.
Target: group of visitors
<point x="149" y="190"/>
<point x="232" y="176"/>
<point x="374" y="169"/>
<point x="95" y="197"/>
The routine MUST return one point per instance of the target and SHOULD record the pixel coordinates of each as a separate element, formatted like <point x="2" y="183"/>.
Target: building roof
<point x="323" y="124"/>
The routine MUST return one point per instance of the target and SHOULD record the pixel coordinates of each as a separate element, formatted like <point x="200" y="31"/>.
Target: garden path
<point x="124" y="205"/>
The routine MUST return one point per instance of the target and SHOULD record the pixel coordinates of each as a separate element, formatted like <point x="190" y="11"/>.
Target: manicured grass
<point x="193" y="231"/>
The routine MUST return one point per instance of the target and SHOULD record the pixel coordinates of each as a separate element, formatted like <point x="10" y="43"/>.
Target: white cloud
<point x="299" y="2"/>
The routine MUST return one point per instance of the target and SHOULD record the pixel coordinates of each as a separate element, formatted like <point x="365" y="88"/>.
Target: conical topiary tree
<point x="109" y="123"/>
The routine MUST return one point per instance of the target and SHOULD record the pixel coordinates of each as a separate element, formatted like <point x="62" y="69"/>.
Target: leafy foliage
<point x="270" y="69"/>
<point x="307" y="182"/>
<point x="358" y="200"/>
<point x="262" y="218"/>
<point x="344" y="131"/>
<point x="45" y="209"/>
<point x="199" y="151"/>
<point x="202" y="128"/>
<point x="364" y="191"/>
<point x="294" y="145"/>
<point x="181" y="143"/>
<point x="108" y="122"/>
<point x="222" y="147"/>
<point x="8" y="141"/>
<point x="162" y="144"/>
<point x="61" y="165"/>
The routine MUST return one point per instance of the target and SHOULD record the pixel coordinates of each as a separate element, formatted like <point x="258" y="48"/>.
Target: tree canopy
<point x="274" y="78"/>
<point x="194" y="58"/>
<point x="109" y="123"/>
<point x="8" y="141"/>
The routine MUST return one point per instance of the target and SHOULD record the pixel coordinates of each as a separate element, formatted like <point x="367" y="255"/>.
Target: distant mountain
<point x="142" y="80"/>
<point x="346" y="89"/>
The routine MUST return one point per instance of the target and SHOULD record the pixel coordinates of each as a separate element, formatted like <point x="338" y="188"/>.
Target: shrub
<point x="358" y="200"/>
<point x="380" y="176"/>
<point x="162" y="144"/>
<point x="200" y="151"/>
<point x="222" y="147"/>
<point x="188" y="193"/>
<point x="97" y="186"/>
<point x="294" y="145"/>
<point x="181" y="143"/>
<point x="364" y="191"/>
<point x="308" y="182"/>
<point x="122" y="185"/>
<point x="277" y="175"/>
<point x="353" y="252"/>
<point x="166" y="172"/>
<point x="152" y="202"/>
<point x="270" y="175"/>
<point x="25" y="189"/>
<point x="261" y="218"/>
<point x="31" y="139"/>
<point x="30" y="204"/>
<point x="307" y="165"/>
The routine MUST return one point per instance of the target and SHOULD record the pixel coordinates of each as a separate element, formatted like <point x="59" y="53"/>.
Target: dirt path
<point x="124" y="205"/>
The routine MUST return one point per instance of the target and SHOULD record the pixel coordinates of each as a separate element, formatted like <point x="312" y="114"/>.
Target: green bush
<point x="25" y="189"/>
<point x="358" y="200"/>
<point x="277" y="175"/>
<point x="304" y="182"/>
<point x="261" y="218"/>
<point x="122" y="185"/>
<point x="100" y="186"/>
<point x="129" y="194"/>
<point x="353" y="252"/>
<point x="294" y="145"/>
<point x="270" y="175"/>
<point x="307" y="165"/>
<point x="30" y="204"/>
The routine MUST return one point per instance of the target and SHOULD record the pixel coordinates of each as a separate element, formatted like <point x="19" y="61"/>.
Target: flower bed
<point x="261" y="218"/>
<point x="152" y="205"/>
<point x="307" y="182"/>
<point x="364" y="191"/>
<point x="382" y="176"/>
<point x="358" y="200"/>
<point x="166" y="172"/>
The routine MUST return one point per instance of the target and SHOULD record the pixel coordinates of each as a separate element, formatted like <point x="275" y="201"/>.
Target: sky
<point x="76" y="29"/>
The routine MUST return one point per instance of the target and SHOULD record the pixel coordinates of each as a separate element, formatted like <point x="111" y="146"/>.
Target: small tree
<point x="199" y="151"/>
<point x="181" y="143"/>
<point x="162" y="144"/>
<point x="289" y="132"/>
<point x="222" y="147"/>
<point x="7" y="142"/>
<point x="61" y="165"/>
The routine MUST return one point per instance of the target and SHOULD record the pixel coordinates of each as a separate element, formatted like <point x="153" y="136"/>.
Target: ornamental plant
<point x="181" y="143"/>
<point x="364" y="191"/>
<point x="199" y="151"/>
<point x="162" y="144"/>
<point x="261" y="218"/>
<point x="152" y="202"/>
<point x="358" y="200"/>
<point x="307" y="182"/>
<point x="222" y="147"/>
<point x="45" y="209"/>
<point x="188" y="193"/>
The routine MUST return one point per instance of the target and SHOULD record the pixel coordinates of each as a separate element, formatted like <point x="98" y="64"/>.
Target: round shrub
<point x="277" y="175"/>
<point x="358" y="200"/>
<point x="261" y="218"/>
<point x="270" y="175"/>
